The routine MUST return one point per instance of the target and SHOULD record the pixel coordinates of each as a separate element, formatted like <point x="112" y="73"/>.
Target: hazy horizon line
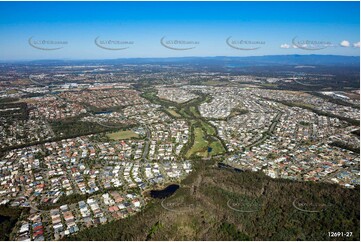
<point x="169" y="57"/>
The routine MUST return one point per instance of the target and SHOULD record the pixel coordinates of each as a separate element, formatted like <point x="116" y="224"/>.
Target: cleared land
<point x="173" y="113"/>
<point x="123" y="134"/>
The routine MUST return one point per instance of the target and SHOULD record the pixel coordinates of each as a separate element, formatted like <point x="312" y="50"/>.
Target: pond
<point x="166" y="192"/>
<point x="3" y="218"/>
<point x="104" y="112"/>
<point x="225" y="166"/>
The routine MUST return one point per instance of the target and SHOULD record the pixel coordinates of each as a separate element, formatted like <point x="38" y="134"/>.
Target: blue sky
<point x="257" y="28"/>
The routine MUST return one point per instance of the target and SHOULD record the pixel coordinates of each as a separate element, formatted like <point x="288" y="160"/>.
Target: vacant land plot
<point x="173" y="113"/>
<point x="122" y="134"/>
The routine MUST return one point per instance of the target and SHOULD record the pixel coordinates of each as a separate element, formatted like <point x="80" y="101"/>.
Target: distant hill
<point x="258" y="60"/>
<point x="327" y="60"/>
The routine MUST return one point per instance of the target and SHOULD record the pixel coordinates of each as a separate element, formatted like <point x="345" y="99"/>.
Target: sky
<point x="107" y="30"/>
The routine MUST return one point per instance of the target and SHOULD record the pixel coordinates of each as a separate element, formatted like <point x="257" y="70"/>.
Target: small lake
<point x="4" y="218"/>
<point x="166" y="192"/>
<point x="225" y="166"/>
<point x="104" y="112"/>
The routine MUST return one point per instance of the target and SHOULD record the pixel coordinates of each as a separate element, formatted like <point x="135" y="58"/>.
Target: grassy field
<point x="217" y="148"/>
<point x="202" y="141"/>
<point x="122" y="134"/>
<point x="27" y="100"/>
<point x="269" y="85"/>
<point x="214" y="82"/>
<point x="306" y="105"/>
<point x="200" y="145"/>
<point x="194" y="111"/>
<point x="183" y="112"/>
<point x="11" y="91"/>
<point x="173" y="113"/>
<point x="208" y="128"/>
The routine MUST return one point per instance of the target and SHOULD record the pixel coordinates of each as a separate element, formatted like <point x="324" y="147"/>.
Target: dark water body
<point x="166" y="192"/>
<point x="4" y="218"/>
<point x="222" y="165"/>
<point x="225" y="166"/>
<point x="238" y="170"/>
<point x="104" y="112"/>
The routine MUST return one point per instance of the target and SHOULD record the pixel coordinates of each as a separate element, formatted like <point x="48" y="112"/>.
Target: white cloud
<point x="285" y="46"/>
<point x="356" y="45"/>
<point x="295" y="46"/>
<point x="345" y="43"/>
